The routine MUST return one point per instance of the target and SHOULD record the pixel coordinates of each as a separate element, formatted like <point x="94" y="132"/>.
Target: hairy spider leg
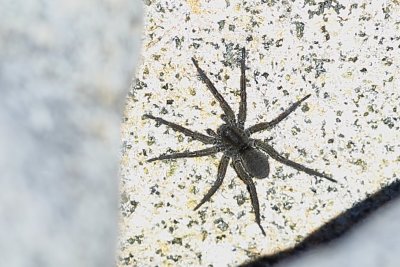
<point x="246" y="178"/>
<point x="242" y="105"/>
<point x="211" y="132"/>
<point x="223" y="165"/>
<point x="187" y="154"/>
<point x="224" y="105"/>
<point x="195" y="135"/>
<point x="268" y="125"/>
<point x="278" y="157"/>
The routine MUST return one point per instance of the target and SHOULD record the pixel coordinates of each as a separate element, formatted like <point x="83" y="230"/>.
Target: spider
<point x="249" y="156"/>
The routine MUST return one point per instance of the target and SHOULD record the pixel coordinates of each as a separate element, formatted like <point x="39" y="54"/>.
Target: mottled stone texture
<point x="65" y="69"/>
<point x="345" y="54"/>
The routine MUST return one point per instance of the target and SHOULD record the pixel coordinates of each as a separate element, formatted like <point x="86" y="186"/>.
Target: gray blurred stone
<point x="64" y="72"/>
<point x="374" y="243"/>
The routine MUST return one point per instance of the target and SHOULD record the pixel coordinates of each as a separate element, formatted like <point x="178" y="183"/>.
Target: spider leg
<point x="195" y="135"/>
<point x="268" y="125"/>
<point x="188" y="154"/>
<point x="223" y="165"/>
<point x="224" y="105"/>
<point x="237" y="165"/>
<point x="278" y="157"/>
<point x="211" y="132"/>
<point x="242" y="106"/>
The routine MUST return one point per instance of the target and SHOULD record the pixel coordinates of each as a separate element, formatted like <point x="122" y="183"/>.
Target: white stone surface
<point x="345" y="54"/>
<point x="64" y="72"/>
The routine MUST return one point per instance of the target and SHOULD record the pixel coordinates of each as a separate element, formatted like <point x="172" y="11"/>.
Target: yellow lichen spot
<point x="237" y="7"/>
<point x="165" y="248"/>
<point x="361" y="163"/>
<point x="167" y="263"/>
<point x="146" y="171"/>
<point x="379" y="138"/>
<point x="193" y="189"/>
<point x="347" y="74"/>
<point x="322" y="78"/>
<point x="192" y="91"/>
<point x="192" y="204"/>
<point x="287" y="77"/>
<point x="146" y="70"/>
<point x="172" y="169"/>
<point x="384" y="163"/>
<point x="194" y="6"/>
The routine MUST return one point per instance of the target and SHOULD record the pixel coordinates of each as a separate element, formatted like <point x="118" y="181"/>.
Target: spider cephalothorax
<point x="249" y="156"/>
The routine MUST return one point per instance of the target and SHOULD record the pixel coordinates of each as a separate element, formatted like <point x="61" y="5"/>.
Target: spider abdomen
<point x="255" y="162"/>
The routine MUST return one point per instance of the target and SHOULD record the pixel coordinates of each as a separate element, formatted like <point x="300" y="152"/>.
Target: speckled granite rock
<point x="64" y="73"/>
<point x="346" y="55"/>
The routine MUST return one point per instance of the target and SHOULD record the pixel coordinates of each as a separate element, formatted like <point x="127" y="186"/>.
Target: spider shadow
<point x="335" y="228"/>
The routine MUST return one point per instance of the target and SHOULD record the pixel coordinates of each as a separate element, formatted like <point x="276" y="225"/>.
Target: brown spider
<point x="249" y="156"/>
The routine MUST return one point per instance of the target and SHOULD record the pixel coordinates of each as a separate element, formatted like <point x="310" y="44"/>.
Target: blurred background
<point x="65" y="70"/>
